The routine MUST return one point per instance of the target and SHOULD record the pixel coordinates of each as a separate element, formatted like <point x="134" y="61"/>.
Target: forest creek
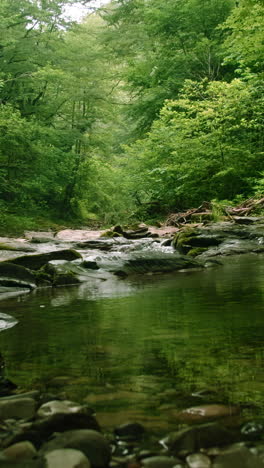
<point x="51" y="418"/>
<point x="131" y="233"/>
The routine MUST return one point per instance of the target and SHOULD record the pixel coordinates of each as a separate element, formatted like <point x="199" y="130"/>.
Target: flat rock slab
<point x="22" y="408"/>
<point x="12" y="274"/>
<point x="35" y="262"/>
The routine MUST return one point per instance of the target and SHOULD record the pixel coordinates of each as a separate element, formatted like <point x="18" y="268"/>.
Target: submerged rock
<point x="195" y="438"/>
<point x="206" y="412"/>
<point x="91" y="443"/>
<point x="237" y="457"/>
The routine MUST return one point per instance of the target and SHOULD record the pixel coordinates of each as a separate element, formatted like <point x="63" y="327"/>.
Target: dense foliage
<point x="144" y="104"/>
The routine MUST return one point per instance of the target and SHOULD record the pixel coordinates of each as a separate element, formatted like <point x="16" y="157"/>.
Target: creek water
<point x="135" y="348"/>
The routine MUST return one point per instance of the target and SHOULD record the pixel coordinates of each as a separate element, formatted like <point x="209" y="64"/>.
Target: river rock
<point x="35" y="262"/>
<point x="16" y="246"/>
<point x="21" y="408"/>
<point x="130" y="431"/>
<point x="66" y="422"/>
<point x="91" y="443"/>
<point x="100" y="244"/>
<point x="195" y="438"/>
<point x="205" y="412"/>
<point x="157" y="262"/>
<point x="15" y="275"/>
<point x="66" y="458"/>
<point x="160" y="462"/>
<point x="198" y="460"/>
<point x="20" y="451"/>
<point x="253" y="430"/>
<point x="58" y="407"/>
<point x="237" y="457"/>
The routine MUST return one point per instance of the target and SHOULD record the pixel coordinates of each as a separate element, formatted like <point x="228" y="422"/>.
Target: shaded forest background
<point x="145" y="108"/>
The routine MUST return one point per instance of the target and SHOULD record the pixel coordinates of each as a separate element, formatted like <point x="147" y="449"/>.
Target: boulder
<point x="91" y="443"/>
<point x="35" y="262"/>
<point x="16" y="275"/>
<point x="64" y="273"/>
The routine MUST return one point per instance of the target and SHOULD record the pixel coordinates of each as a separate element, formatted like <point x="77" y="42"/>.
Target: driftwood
<point x="245" y="208"/>
<point x="205" y="209"/>
<point x="176" y="219"/>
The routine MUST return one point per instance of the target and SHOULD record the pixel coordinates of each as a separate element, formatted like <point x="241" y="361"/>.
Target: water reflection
<point x="123" y="343"/>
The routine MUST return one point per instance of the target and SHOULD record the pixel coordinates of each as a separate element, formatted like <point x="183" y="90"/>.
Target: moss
<point x="196" y="251"/>
<point x="110" y="234"/>
<point x="182" y="238"/>
<point x="65" y="278"/>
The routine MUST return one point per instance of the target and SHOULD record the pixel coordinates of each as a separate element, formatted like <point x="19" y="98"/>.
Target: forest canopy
<point x="145" y="103"/>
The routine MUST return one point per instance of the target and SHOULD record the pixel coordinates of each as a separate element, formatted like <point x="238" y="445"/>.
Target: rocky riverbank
<point x="43" y="431"/>
<point x="71" y="257"/>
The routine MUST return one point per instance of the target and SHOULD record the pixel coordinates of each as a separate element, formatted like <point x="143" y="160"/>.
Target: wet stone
<point x="130" y="431"/>
<point x="90" y="442"/>
<point x="237" y="457"/>
<point x="58" y="407"/>
<point x="20" y="451"/>
<point x="159" y="462"/>
<point x="23" y="408"/>
<point x="206" y="412"/>
<point x="66" y="458"/>
<point x="198" y="460"/>
<point x="253" y="430"/>
<point x="195" y="438"/>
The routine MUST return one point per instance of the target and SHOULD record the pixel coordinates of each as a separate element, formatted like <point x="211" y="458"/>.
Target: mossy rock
<point x="196" y="251"/>
<point x="13" y="246"/>
<point x="64" y="279"/>
<point x="35" y="262"/>
<point x="181" y="240"/>
<point x="190" y="238"/>
<point x="110" y="234"/>
<point x="16" y="275"/>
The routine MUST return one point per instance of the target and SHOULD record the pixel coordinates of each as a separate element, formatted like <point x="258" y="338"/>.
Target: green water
<point x="135" y="347"/>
